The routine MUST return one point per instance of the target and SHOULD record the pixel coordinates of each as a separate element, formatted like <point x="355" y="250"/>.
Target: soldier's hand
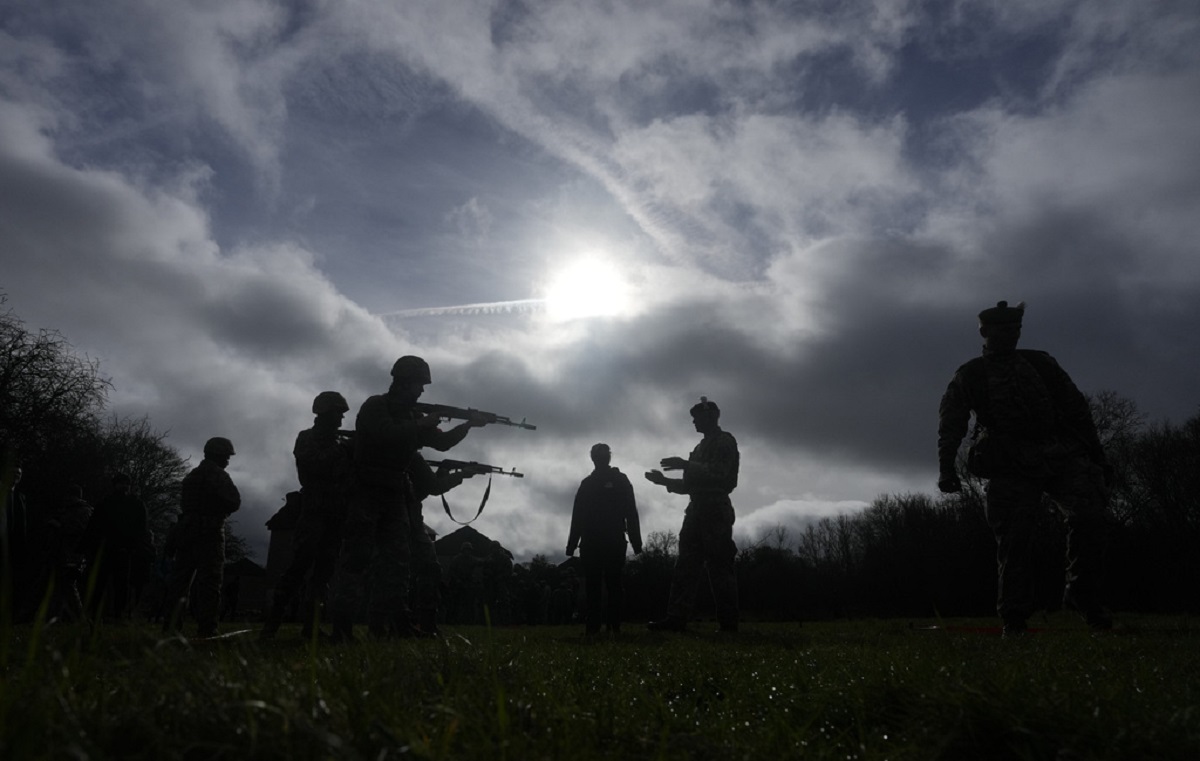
<point x="429" y="422"/>
<point x="656" y="477"/>
<point x="478" y="419"/>
<point x="949" y="484"/>
<point x="673" y="463"/>
<point x="570" y="552"/>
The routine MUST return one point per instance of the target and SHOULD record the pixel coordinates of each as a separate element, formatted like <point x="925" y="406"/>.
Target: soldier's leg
<point x="348" y="589"/>
<point x="306" y="545"/>
<point x="720" y="552"/>
<point x="593" y="573"/>
<point x="322" y="572"/>
<point x="206" y="589"/>
<point x="688" y="568"/>
<point x="1078" y="490"/>
<point x="178" y="585"/>
<point x="426" y="576"/>
<point x="1011" y="506"/>
<point x="390" y="567"/>
<point x="614" y="567"/>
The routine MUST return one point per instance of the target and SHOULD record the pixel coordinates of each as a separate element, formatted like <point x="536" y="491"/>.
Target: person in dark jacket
<point x="1034" y="435"/>
<point x="605" y="512"/>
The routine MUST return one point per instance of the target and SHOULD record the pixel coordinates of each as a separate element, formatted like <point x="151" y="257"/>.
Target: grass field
<point x="839" y="690"/>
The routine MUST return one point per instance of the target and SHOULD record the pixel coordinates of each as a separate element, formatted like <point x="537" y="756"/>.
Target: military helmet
<point x="218" y="446"/>
<point x="1002" y="314"/>
<point x="704" y="405"/>
<point x="413" y="368"/>
<point x="329" y="401"/>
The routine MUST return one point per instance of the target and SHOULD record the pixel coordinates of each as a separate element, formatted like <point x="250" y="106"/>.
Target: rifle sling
<point x="486" y="493"/>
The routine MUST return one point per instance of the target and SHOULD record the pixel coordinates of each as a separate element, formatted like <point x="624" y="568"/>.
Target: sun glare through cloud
<point x="587" y="287"/>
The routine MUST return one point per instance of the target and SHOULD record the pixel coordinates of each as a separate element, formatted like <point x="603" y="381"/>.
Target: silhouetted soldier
<point x="64" y="525"/>
<point x="207" y="498"/>
<point x="710" y="474"/>
<point x="1034" y="435"/>
<point x="376" y="552"/>
<point x="324" y="460"/>
<point x="116" y="539"/>
<point x="15" y="566"/>
<point x="605" y="511"/>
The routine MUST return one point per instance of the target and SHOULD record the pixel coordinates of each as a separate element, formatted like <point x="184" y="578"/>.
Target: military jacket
<point x="712" y="468"/>
<point x="1036" y="409"/>
<point x="323" y="459"/>
<point x="386" y="437"/>
<point x="208" y="492"/>
<point x="605" y="510"/>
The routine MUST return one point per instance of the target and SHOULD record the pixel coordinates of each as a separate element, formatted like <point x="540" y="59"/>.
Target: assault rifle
<point x="459" y="413"/>
<point x="474" y="468"/>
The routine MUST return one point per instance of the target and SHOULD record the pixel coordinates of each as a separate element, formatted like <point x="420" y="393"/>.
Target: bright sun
<point x="589" y="287"/>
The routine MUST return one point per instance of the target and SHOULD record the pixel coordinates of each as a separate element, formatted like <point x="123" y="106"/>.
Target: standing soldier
<point x="324" y="457"/>
<point x="1034" y="435"/>
<point x="605" y="511"/>
<point x="65" y="525"/>
<point x="376" y="552"/>
<point x="710" y="474"/>
<point x="208" y="497"/>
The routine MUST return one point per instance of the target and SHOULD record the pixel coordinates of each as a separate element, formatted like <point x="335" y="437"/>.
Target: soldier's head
<point x="330" y="407"/>
<point x="121" y="482"/>
<point x="601" y="455"/>
<point x="1000" y="325"/>
<point x="410" y="375"/>
<point x="219" y="449"/>
<point x="706" y="415"/>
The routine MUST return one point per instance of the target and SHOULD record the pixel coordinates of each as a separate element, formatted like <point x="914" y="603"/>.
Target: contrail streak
<point x="491" y="307"/>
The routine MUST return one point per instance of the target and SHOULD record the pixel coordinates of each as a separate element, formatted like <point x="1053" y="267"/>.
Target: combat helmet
<point x="329" y="401"/>
<point x="413" y="368"/>
<point x="218" y="446"/>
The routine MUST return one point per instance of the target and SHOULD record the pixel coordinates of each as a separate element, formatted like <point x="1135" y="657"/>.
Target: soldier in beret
<point x="1034" y="435"/>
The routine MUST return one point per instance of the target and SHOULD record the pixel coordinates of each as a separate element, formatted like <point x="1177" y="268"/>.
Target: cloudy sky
<point x="589" y="214"/>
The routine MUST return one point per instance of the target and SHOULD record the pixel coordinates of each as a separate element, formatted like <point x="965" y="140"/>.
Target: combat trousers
<point x="197" y="573"/>
<point x="602" y="570"/>
<point x="1076" y="485"/>
<point x="706" y="541"/>
<point x="427" y="573"/>
<point x="317" y="543"/>
<point x="373" y="567"/>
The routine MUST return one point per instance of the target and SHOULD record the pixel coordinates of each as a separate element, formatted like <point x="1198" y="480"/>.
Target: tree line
<point x="54" y="428"/>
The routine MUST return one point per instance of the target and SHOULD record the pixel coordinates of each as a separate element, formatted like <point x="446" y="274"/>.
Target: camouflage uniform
<point x="604" y="510"/>
<point x="706" y="538"/>
<point x="375" y="550"/>
<point x="1041" y="439"/>
<point x="426" y="571"/>
<point x="208" y="497"/>
<point x="323" y="464"/>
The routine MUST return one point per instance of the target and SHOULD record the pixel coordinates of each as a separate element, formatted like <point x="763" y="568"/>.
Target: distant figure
<point x="710" y="474"/>
<point x="1034" y="435"/>
<point x="376" y="554"/>
<point x="116" y="538"/>
<point x="64" y="525"/>
<point x="324" y="461"/>
<point x="198" y="540"/>
<point x="15" y="566"/>
<point x="605" y="511"/>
